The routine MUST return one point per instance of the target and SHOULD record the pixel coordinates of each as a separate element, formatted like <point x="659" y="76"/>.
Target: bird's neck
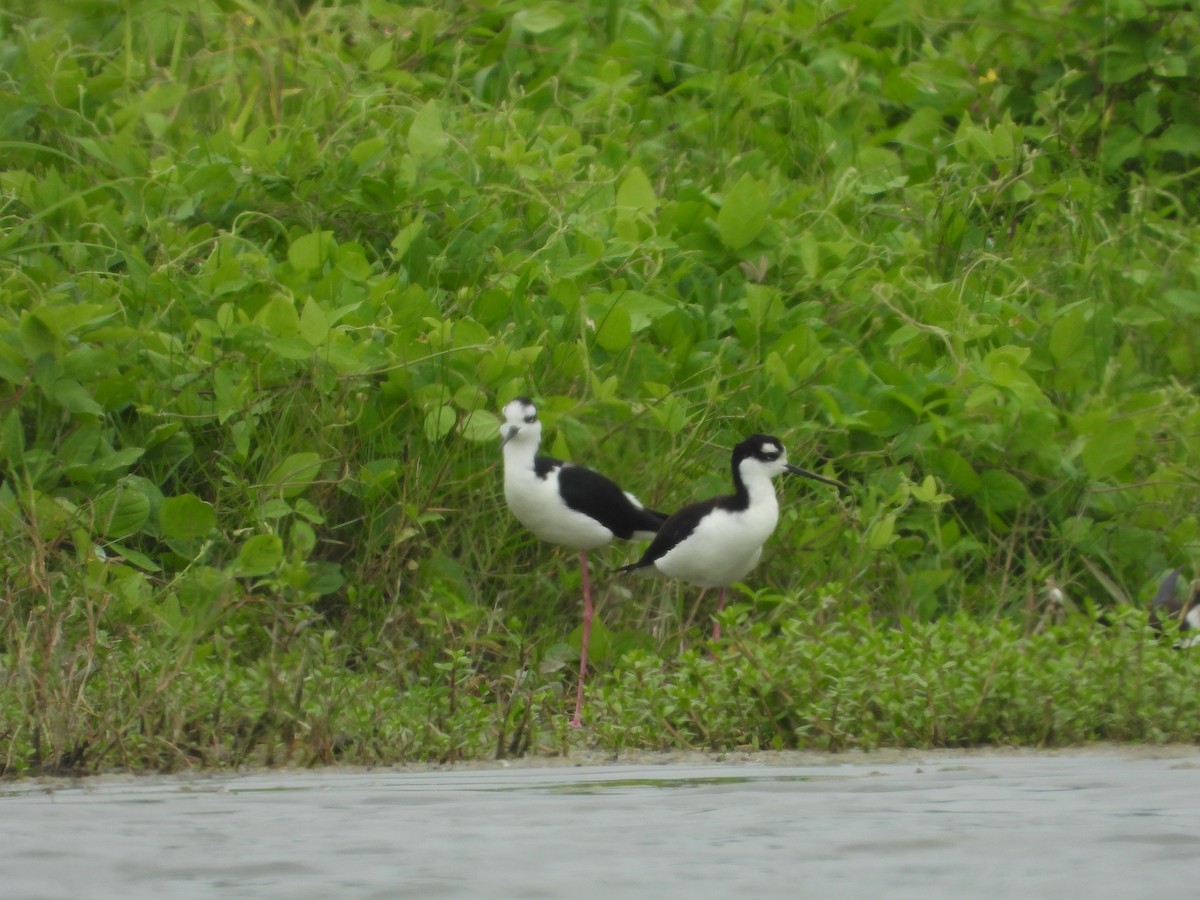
<point x="754" y="489"/>
<point x="520" y="454"/>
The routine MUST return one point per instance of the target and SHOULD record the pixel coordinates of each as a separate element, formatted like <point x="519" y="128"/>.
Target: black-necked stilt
<point x="566" y="504"/>
<point x="1169" y="605"/>
<point x="717" y="541"/>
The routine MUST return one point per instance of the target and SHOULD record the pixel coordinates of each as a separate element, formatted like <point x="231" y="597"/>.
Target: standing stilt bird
<point x="717" y="541"/>
<point x="566" y="504"/>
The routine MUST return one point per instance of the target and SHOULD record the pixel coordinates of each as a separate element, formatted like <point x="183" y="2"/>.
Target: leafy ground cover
<point x="267" y="272"/>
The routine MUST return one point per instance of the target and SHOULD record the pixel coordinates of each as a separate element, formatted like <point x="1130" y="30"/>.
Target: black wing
<point x="544" y="465"/>
<point x="594" y="495"/>
<point x="675" y="530"/>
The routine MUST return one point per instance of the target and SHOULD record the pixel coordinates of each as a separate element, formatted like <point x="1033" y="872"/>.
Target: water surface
<point x="1119" y="823"/>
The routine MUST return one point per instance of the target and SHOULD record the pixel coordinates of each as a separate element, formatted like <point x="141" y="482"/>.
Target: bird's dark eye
<point x="531" y="418"/>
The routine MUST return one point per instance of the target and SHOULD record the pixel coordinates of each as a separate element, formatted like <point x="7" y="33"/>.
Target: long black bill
<point x="804" y="473"/>
<point x="509" y="434"/>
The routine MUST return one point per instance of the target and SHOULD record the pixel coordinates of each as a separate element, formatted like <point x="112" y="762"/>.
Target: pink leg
<point x="587" y="635"/>
<point x="720" y="607"/>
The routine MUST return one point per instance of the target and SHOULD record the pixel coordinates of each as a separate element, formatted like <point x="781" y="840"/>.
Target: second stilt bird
<point x="715" y="542"/>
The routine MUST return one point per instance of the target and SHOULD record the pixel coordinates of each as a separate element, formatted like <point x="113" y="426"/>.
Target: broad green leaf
<point x="643" y="309"/>
<point x="293" y="475"/>
<point x="953" y="467"/>
<point x="1066" y="337"/>
<point x="274" y="508"/>
<point x="310" y="251"/>
<point x="380" y="58"/>
<point x="1001" y="491"/>
<point x="882" y="532"/>
<point x="1180" y="138"/>
<point x="302" y="538"/>
<point x="480" y="425"/>
<point x="12" y="364"/>
<point x="982" y="395"/>
<point x="404" y="238"/>
<point x="758" y="301"/>
<point x="185" y="517"/>
<point x="12" y="441"/>
<point x="115" y="461"/>
<point x="671" y="413"/>
<point x="294" y="348"/>
<point x="880" y="169"/>
<point x="352" y="262"/>
<point x="79" y="448"/>
<point x="1184" y="300"/>
<point x="902" y="335"/>
<point x="1009" y="353"/>
<point x="65" y="318"/>
<point x="1138" y="316"/>
<point x="1145" y="112"/>
<point x="744" y="213"/>
<point x="314" y="325"/>
<point x="439" y="421"/>
<point x="1123" y="144"/>
<point x="926" y="490"/>
<point x="52" y="515"/>
<point x="324" y="578"/>
<point x="1002" y="140"/>
<point x="369" y="150"/>
<point x="1109" y="450"/>
<point x="426" y="139"/>
<point x="778" y="372"/>
<point x="1174" y="65"/>
<point x="74" y="397"/>
<point x="306" y="510"/>
<point x="36" y="337"/>
<point x="471" y="396"/>
<point x="1004" y="373"/>
<point x="539" y="19"/>
<point x="260" y="555"/>
<point x="614" y="331"/>
<point x="134" y="557"/>
<point x="121" y="510"/>
<point x="279" y="317"/>
<point x="636" y="192"/>
<point x="118" y="459"/>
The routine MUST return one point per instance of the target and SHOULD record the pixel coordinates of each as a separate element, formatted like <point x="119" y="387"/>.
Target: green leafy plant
<point x="266" y="274"/>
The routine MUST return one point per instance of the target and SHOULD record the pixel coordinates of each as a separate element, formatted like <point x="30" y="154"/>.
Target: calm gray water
<point x="1113" y="824"/>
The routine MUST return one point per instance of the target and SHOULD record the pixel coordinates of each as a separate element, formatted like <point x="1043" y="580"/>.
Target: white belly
<point x="723" y="548"/>
<point x="536" y="504"/>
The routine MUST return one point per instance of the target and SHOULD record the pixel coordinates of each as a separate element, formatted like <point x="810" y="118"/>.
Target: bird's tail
<point x="643" y="569"/>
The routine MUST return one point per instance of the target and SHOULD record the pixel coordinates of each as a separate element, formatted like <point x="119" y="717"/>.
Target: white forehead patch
<point x="519" y="409"/>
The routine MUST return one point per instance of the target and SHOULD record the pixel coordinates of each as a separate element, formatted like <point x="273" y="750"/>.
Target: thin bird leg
<point x="587" y="635"/>
<point x="720" y="608"/>
<point x="692" y="612"/>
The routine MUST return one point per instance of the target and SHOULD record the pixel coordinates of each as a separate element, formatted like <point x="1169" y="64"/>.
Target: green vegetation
<point x="268" y="271"/>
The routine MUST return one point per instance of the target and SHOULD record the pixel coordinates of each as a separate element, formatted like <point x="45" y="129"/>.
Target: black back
<point x="590" y="493"/>
<point x="679" y="526"/>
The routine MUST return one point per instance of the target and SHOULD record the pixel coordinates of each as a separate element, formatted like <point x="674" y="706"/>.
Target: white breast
<point x="724" y="547"/>
<point x="537" y="505"/>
